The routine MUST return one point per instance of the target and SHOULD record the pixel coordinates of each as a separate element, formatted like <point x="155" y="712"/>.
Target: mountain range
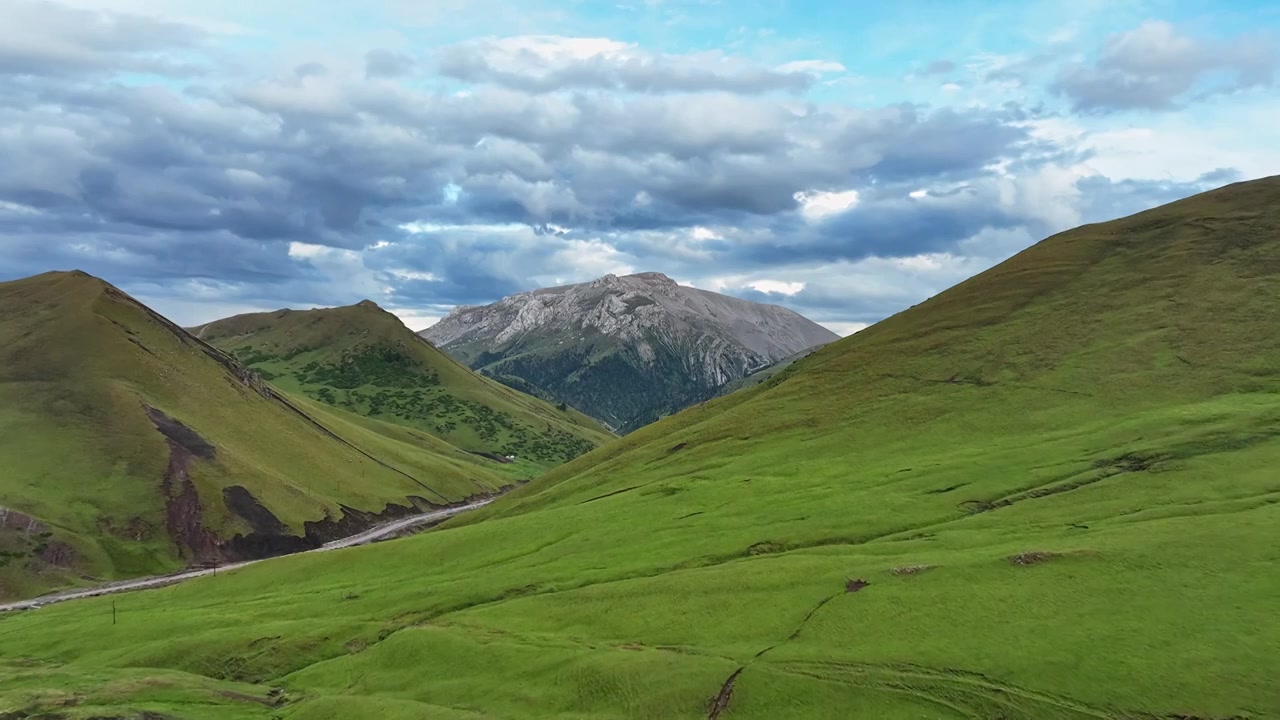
<point x="626" y="350"/>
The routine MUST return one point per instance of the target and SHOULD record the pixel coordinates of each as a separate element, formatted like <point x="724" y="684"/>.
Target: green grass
<point x="1057" y="481"/>
<point x="79" y="364"/>
<point x="364" y="360"/>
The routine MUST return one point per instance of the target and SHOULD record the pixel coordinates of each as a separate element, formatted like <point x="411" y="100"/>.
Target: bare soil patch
<point x="1034" y="557"/>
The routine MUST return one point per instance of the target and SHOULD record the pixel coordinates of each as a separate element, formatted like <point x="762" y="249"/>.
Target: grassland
<point x="90" y="489"/>
<point x="362" y="359"/>
<point x="1049" y="492"/>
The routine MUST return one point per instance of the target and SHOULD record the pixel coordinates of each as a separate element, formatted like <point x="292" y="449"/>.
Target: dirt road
<point x="374" y="533"/>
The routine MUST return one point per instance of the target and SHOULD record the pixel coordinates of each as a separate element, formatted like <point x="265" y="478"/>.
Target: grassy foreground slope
<point x="127" y="447"/>
<point x="364" y="360"/>
<point x="1049" y="492"/>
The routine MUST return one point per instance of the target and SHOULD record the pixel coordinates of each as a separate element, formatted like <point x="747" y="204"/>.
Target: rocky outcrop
<point x="624" y="349"/>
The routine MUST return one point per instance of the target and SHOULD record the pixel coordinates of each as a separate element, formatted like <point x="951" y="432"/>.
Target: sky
<point x="844" y="159"/>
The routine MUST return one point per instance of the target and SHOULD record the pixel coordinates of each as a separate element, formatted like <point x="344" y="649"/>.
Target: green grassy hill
<point x="1047" y="493"/>
<point x="128" y="447"/>
<point x="364" y="360"/>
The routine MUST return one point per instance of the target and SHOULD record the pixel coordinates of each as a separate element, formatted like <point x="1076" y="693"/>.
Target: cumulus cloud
<point x="1154" y="67"/>
<point x="530" y="161"/>
<point x="46" y="39"/>
<point x="545" y="63"/>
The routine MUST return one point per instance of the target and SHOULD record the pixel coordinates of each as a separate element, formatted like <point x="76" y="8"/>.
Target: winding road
<point x="376" y="532"/>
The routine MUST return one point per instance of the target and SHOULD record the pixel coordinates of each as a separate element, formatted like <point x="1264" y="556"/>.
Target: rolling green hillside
<point x="1047" y="493"/>
<point x="128" y="447"/>
<point x="364" y="360"/>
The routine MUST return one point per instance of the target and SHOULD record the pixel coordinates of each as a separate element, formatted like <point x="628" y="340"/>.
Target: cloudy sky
<point x="844" y="159"/>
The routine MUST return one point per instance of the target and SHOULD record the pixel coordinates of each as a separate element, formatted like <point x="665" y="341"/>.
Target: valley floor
<point x="388" y="529"/>
<point x="1083" y="574"/>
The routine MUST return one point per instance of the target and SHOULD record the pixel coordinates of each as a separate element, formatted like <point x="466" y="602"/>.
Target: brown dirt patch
<point x="720" y="702"/>
<point x="242" y="502"/>
<point x="1034" y="557"/>
<point x="767" y="547"/>
<point x="853" y="586"/>
<point x="182" y="509"/>
<point x="910" y="569"/>
<point x="244" y="697"/>
<point x="181" y="434"/>
<point x="58" y="554"/>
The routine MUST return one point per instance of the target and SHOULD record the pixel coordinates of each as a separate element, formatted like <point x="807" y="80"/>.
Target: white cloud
<point x="816" y="205"/>
<point x="413" y="275"/>
<point x="845" y="329"/>
<point x="17" y="209"/>
<point x="702" y="233"/>
<point x="776" y="286"/>
<point x="512" y="54"/>
<point x="811" y="66"/>
<point x="1178" y="147"/>
<point x="549" y="63"/>
<point x="421" y="228"/>
<point x="590" y="259"/>
<point x="416" y="320"/>
<point x="307" y="250"/>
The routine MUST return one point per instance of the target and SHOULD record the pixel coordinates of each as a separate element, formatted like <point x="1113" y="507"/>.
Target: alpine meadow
<point x="1047" y="492"/>
<point x="642" y="360"/>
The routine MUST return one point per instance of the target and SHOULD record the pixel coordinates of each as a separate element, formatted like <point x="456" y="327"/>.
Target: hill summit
<point x="131" y="447"/>
<point x="362" y="359"/>
<point x="627" y="349"/>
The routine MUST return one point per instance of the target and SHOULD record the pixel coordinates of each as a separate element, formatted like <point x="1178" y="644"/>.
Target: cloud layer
<point x="140" y="149"/>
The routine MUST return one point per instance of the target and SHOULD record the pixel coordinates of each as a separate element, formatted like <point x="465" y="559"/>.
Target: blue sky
<point x="844" y="159"/>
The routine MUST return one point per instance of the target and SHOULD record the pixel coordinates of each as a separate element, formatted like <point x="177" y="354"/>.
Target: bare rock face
<point x="624" y="349"/>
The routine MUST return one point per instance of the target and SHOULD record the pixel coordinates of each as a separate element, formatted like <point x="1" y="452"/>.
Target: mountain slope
<point x="625" y="349"/>
<point x="364" y="360"/>
<point x="764" y="374"/>
<point x="130" y="447"/>
<point x="1049" y="492"/>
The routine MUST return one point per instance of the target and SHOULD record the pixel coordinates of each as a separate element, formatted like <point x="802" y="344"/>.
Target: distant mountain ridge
<point x="626" y="350"/>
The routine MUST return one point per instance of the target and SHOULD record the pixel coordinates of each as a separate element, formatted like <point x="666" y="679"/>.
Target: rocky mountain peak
<point x="645" y="320"/>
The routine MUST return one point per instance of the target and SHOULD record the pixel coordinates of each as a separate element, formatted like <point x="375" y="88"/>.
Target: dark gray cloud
<point x="1153" y="67"/>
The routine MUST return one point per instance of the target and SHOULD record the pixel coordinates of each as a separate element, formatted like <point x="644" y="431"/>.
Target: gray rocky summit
<point x="626" y="349"/>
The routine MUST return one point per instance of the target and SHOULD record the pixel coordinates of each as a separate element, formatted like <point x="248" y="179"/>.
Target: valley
<point x="391" y="528"/>
<point x="1048" y="492"/>
<point x="133" y="448"/>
